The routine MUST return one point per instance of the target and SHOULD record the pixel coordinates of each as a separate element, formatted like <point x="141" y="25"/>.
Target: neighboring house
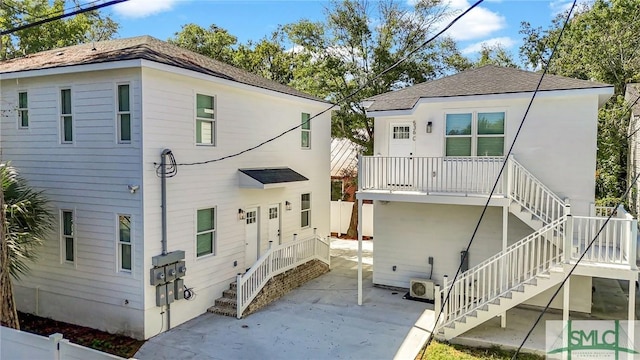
<point x="89" y="126"/>
<point x="632" y="96"/>
<point x="344" y="164"/>
<point x="439" y="147"/>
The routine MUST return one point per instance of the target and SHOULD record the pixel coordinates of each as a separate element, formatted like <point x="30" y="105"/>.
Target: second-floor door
<point x="274" y="224"/>
<point x="251" y="237"/>
<point x="401" y="148"/>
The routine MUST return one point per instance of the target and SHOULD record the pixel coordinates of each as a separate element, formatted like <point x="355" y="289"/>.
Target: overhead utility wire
<point x="62" y="16"/>
<point x="396" y="64"/>
<point x="562" y="284"/>
<point x="495" y="184"/>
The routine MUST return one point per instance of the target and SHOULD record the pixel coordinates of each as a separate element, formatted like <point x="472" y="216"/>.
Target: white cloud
<point x="143" y="8"/>
<point x="560" y="6"/>
<point x="477" y="23"/>
<point x="505" y="42"/>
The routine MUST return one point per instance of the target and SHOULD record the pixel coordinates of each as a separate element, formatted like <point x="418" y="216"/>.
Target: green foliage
<point x="28" y="220"/>
<point x="600" y="43"/>
<point x="78" y="29"/>
<point x="214" y="42"/>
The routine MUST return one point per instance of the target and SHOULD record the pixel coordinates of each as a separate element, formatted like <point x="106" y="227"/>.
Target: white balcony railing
<point x="432" y="175"/>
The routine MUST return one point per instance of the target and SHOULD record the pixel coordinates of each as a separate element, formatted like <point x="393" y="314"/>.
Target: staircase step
<point x="519" y="288"/>
<point x="230" y="294"/>
<point x="226" y="302"/>
<point x="223" y="311"/>
<point x="462" y="320"/>
<point x="507" y="295"/>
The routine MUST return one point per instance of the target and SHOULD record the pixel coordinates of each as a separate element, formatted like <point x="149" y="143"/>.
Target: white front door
<point x="401" y="148"/>
<point x="251" y="236"/>
<point x="274" y="224"/>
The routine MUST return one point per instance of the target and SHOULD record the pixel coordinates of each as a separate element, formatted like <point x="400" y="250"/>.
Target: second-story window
<point x="305" y="210"/>
<point x="66" y="118"/>
<point x="475" y="134"/>
<point x="23" y="110"/>
<point x="124" y="115"/>
<point x="305" y="132"/>
<point x="205" y="120"/>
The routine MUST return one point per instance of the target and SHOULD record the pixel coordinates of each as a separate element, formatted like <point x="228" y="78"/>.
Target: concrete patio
<point x="321" y="320"/>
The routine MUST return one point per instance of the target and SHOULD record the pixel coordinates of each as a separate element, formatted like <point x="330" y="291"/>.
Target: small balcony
<point x="453" y="176"/>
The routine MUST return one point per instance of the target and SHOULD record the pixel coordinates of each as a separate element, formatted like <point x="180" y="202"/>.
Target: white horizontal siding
<point x="89" y="177"/>
<point x="407" y="234"/>
<point x="244" y="118"/>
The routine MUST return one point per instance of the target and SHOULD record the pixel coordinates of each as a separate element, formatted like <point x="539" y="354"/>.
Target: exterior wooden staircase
<point x="227" y="304"/>
<point x="536" y="263"/>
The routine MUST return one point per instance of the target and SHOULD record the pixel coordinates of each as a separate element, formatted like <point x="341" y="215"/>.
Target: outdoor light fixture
<point x="429" y="127"/>
<point x="240" y="214"/>
<point x="287" y="205"/>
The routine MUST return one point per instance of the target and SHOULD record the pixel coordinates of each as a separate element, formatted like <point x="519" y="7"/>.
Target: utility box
<point x="181" y="269"/>
<point x="170" y="291"/>
<point x="161" y="295"/>
<point x="158" y="276"/>
<point x="178" y="289"/>
<point x="170" y="272"/>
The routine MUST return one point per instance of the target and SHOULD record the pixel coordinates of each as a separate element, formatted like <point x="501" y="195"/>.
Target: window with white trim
<point x="206" y="231"/>
<point x="205" y="120"/>
<point x="23" y="110"/>
<point x="305" y="131"/>
<point x="66" y="118"/>
<point x="305" y="210"/>
<point x="475" y="134"/>
<point x="124" y="114"/>
<point x="124" y="243"/>
<point x="67" y="235"/>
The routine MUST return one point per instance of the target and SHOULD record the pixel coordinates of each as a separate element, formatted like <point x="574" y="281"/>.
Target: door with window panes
<point x="251" y="236"/>
<point x="401" y="148"/>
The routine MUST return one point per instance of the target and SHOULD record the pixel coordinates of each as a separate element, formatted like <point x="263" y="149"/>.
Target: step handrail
<point x="275" y="261"/>
<point x="531" y="193"/>
<point x="493" y="277"/>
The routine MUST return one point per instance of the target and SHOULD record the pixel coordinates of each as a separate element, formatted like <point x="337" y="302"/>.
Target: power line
<point x="354" y="93"/>
<point x="61" y="16"/>
<point x="495" y="184"/>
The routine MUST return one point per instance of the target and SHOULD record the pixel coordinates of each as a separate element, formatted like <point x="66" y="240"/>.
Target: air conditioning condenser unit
<point x="422" y="289"/>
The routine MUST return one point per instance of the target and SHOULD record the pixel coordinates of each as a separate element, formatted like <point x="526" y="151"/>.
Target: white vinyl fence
<point x="341" y="216"/>
<point x="18" y="345"/>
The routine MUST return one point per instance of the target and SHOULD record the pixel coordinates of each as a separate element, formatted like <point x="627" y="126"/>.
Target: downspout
<point x="163" y="187"/>
<point x="163" y="169"/>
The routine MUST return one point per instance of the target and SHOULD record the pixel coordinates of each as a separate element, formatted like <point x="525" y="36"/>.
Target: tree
<point x="357" y="41"/>
<point x="26" y="220"/>
<point x="495" y="55"/>
<point x="214" y="42"/>
<point x="600" y="43"/>
<point x="81" y="28"/>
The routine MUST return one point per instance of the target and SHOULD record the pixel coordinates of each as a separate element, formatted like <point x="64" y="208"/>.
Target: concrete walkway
<point x="320" y="320"/>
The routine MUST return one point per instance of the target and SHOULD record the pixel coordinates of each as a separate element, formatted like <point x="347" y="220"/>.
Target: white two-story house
<point x="440" y="157"/>
<point x="140" y="146"/>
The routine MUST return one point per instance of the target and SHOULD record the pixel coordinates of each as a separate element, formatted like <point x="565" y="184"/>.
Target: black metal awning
<point x="265" y="178"/>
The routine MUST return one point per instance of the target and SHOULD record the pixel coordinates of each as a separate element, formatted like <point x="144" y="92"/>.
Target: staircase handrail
<point x="275" y="261"/>
<point x="465" y="296"/>
<point x="517" y="194"/>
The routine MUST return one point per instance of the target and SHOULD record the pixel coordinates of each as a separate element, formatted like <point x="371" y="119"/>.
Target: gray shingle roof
<point x="143" y="47"/>
<point x="486" y="80"/>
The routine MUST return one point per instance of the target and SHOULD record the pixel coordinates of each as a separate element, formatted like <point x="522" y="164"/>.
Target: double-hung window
<point x="305" y="131"/>
<point x="206" y="231"/>
<point x="205" y="120"/>
<point x="305" y="210"/>
<point x="23" y="110"/>
<point x="66" y="118"/>
<point x="124" y="114"/>
<point x="475" y="134"/>
<point x="124" y="242"/>
<point x="67" y="235"/>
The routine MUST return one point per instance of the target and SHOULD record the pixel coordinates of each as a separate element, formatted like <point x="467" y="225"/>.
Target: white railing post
<point x="438" y="302"/>
<point x="239" y="296"/>
<point x="509" y="176"/>
<point x="295" y="249"/>
<point x="568" y="239"/>
<point x="361" y="174"/>
<point x="633" y="241"/>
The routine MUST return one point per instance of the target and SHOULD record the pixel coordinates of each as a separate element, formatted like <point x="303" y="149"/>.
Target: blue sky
<point x="494" y="21"/>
